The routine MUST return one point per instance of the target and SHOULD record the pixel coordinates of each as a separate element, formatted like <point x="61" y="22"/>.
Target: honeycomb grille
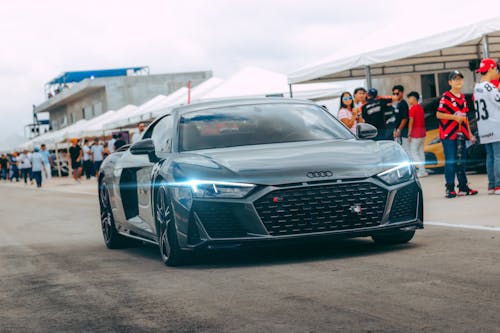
<point x="322" y="208"/>
<point x="218" y="220"/>
<point x="405" y="204"/>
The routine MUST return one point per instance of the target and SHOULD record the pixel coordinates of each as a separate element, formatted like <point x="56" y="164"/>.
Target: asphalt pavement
<point x="56" y="275"/>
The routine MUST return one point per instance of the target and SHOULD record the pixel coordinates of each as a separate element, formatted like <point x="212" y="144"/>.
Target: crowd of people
<point x="37" y="165"/>
<point x="402" y="121"/>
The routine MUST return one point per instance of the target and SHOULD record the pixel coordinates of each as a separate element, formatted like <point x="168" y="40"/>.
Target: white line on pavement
<point x="463" y="226"/>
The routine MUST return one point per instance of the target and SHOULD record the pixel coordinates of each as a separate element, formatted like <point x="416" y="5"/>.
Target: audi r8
<point x="248" y="172"/>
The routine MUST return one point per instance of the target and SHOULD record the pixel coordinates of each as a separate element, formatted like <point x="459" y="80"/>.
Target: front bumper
<point x="301" y="212"/>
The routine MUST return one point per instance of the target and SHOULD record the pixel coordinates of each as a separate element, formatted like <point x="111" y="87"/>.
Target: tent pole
<point x="368" y="77"/>
<point x="58" y="162"/>
<point x="486" y="47"/>
<point x="291" y="91"/>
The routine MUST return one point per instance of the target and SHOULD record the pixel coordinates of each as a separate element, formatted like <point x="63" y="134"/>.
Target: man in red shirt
<point x="416" y="133"/>
<point x="454" y="129"/>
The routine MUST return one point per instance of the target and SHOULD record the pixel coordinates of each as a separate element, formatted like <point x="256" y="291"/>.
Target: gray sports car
<point x="232" y="173"/>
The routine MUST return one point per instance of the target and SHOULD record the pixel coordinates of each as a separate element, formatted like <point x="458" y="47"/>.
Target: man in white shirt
<point x="487" y="106"/>
<point x="87" y="159"/>
<point x="97" y="155"/>
<point x="138" y="134"/>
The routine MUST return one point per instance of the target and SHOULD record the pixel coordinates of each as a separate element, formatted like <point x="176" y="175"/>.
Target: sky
<point x="41" y="39"/>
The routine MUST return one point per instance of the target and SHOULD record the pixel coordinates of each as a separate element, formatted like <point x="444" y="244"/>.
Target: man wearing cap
<point x="373" y="112"/>
<point x="487" y="103"/>
<point x="454" y="129"/>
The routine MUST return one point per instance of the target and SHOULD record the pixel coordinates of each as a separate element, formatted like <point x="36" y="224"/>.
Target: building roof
<point x="77" y="76"/>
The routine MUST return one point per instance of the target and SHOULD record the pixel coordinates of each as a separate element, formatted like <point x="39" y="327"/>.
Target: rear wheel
<point x="112" y="238"/>
<point x="170" y="252"/>
<point x="394" y="237"/>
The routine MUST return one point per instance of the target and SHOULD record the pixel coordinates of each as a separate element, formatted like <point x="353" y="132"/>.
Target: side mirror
<point x="366" y="131"/>
<point x="143" y="147"/>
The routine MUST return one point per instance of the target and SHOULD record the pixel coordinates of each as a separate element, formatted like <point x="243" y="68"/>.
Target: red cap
<point x="485" y="65"/>
<point x="496" y="83"/>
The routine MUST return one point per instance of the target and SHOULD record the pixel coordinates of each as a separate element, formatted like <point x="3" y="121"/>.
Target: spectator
<point x="359" y="97"/>
<point x="454" y="129"/>
<point x="37" y="162"/>
<point x="111" y="144"/>
<point x="119" y="142"/>
<point x="487" y="100"/>
<point x="348" y="114"/>
<point x="97" y="155"/>
<point x="46" y="162"/>
<point x="25" y="166"/>
<point x="416" y="133"/>
<point x="4" y="167"/>
<point x="373" y="113"/>
<point x="14" y="169"/>
<point x="400" y="113"/>
<point x="87" y="159"/>
<point x="138" y="134"/>
<point x="75" y="152"/>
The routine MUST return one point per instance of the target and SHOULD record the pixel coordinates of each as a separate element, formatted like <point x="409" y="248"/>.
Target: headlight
<point x="214" y="189"/>
<point x="435" y="141"/>
<point x="399" y="174"/>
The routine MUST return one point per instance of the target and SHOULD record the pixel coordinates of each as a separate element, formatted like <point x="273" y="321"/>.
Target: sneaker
<point x="450" y="194"/>
<point x="491" y="191"/>
<point x="422" y="174"/>
<point x="497" y="190"/>
<point x="469" y="191"/>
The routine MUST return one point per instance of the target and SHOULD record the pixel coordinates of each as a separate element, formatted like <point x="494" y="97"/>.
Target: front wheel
<point x="394" y="237"/>
<point x="170" y="252"/>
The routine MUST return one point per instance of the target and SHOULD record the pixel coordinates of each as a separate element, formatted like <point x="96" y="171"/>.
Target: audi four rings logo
<point x="319" y="174"/>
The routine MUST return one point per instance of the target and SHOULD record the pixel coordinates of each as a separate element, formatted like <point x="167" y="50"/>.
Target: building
<point x="85" y="94"/>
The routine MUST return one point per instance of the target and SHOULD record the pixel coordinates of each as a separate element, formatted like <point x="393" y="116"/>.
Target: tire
<point x="112" y="238"/>
<point x="170" y="252"/>
<point x="395" y="237"/>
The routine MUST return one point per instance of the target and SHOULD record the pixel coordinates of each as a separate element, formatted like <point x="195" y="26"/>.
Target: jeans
<point x="87" y="168"/>
<point x="26" y="172"/>
<point x="37" y="175"/>
<point x="450" y="167"/>
<point x="493" y="164"/>
<point x="417" y="153"/>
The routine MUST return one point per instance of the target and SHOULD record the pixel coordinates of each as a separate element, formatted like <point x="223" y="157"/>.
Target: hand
<point x="409" y="138"/>
<point x="460" y="119"/>
<point x="355" y="112"/>
<point x="396" y="133"/>
<point x="473" y="139"/>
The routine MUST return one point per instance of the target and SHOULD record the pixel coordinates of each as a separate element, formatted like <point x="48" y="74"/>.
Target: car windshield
<point x="258" y="124"/>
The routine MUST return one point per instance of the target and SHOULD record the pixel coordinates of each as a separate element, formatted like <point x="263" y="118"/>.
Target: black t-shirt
<point x="74" y="152"/>
<point x="3" y="162"/>
<point x="373" y="112"/>
<point x="401" y="111"/>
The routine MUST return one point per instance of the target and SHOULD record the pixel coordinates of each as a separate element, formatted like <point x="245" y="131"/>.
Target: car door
<point x="162" y="138"/>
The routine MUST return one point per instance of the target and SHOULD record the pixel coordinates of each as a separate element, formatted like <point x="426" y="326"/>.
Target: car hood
<point x="285" y="163"/>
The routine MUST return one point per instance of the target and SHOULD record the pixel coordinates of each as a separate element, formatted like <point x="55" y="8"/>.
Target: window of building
<point x="443" y="83"/>
<point x="428" y="83"/>
<point x="97" y="109"/>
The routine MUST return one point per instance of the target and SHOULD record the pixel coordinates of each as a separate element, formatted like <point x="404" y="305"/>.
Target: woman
<point x="349" y="115"/>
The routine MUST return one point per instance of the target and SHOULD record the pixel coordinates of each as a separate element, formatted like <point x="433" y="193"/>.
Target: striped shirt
<point x="451" y="104"/>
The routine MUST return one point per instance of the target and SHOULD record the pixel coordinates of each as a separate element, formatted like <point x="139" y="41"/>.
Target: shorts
<point x="76" y="165"/>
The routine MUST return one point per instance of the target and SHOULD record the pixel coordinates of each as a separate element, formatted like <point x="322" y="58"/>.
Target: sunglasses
<point x="347" y="98"/>
<point x="396" y="93"/>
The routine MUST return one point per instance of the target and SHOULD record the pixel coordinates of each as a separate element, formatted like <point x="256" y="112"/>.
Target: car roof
<point x="237" y="102"/>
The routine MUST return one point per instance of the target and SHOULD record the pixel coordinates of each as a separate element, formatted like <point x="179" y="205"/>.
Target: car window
<point x="162" y="134"/>
<point x="258" y="124"/>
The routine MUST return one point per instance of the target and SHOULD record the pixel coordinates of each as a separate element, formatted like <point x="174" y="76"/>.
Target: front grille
<point x="218" y="219"/>
<point x="322" y="208"/>
<point x="404" y="206"/>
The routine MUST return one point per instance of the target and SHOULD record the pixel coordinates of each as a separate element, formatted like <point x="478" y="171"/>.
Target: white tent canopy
<point x="123" y="122"/>
<point x="257" y="82"/>
<point x="442" y="51"/>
